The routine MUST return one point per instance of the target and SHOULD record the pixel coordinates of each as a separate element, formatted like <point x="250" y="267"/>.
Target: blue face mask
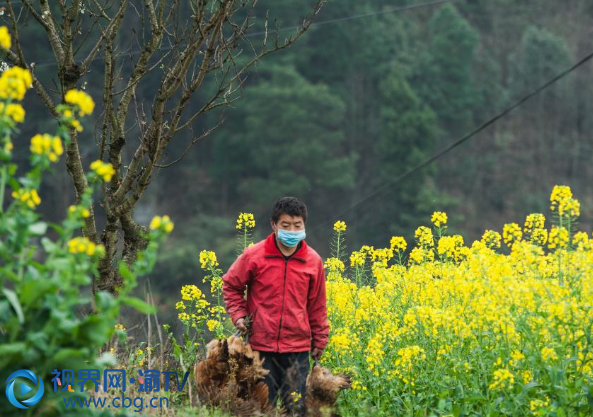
<point x="291" y="239"/>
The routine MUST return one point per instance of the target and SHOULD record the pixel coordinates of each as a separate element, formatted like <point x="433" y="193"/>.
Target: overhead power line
<point x="455" y="144"/>
<point x="314" y="24"/>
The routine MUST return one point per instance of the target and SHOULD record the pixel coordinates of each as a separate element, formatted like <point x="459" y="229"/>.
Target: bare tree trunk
<point x="189" y="49"/>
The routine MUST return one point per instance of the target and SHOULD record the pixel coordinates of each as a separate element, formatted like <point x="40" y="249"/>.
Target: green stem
<point x="21" y="265"/>
<point x="3" y="175"/>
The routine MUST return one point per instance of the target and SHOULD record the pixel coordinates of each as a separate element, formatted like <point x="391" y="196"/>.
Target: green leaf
<point x="9" y="274"/>
<point x="94" y="330"/>
<point x="48" y="245"/>
<point x="125" y="271"/>
<point x="33" y="290"/>
<point x="39" y="339"/>
<point x="38" y="229"/>
<point x="8" y="350"/>
<point x="33" y="270"/>
<point x="139" y="305"/>
<point x="530" y="385"/>
<point x="57" y="228"/>
<point x="67" y="354"/>
<point x="58" y="264"/>
<point x="104" y="300"/>
<point x="14" y="184"/>
<point x="14" y="301"/>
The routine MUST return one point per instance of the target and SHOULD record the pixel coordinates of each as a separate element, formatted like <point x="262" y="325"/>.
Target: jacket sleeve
<point x="317" y="310"/>
<point x="234" y="283"/>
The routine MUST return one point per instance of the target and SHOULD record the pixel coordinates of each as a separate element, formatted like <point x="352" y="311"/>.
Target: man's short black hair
<point x="291" y="206"/>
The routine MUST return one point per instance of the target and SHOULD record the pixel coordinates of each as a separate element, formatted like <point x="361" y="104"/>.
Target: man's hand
<point x="316" y="353"/>
<point x="240" y="324"/>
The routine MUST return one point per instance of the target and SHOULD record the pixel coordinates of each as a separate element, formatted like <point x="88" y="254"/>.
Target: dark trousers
<point x="287" y="379"/>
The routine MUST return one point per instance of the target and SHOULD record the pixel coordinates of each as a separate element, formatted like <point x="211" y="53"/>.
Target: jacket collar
<point x="272" y="251"/>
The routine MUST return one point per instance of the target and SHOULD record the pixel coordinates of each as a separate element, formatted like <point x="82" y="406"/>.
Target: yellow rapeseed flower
<point x="407" y="356"/>
<point x="558" y="238"/>
<point x="527" y="376"/>
<point x="334" y="265"/>
<point x="81" y="100"/>
<point x="76" y="125"/>
<point x="208" y="259"/>
<point x="420" y="255"/>
<point x="581" y="241"/>
<point x="4" y="38"/>
<point x="539" y="237"/>
<point x="439" y="218"/>
<point x="340" y="226"/>
<point x="295" y="396"/>
<point x="502" y="379"/>
<point x="79" y="211"/>
<point x="245" y="220"/>
<point x="191" y="292"/>
<point x="357" y="259"/>
<point x="491" y="239"/>
<point x="8" y="147"/>
<point x="212" y="325"/>
<point x="48" y="145"/>
<point x="14" y="83"/>
<point x="424" y="237"/>
<point x="549" y="354"/>
<point x="536" y="406"/>
<point x="450" y="247"/>
<point x="84" y="245"/>
<point x="103" y="169"/>
<point x="398" y="244"/>
<point x="14" y="111"/>
<point x="155" y="223"/>
<point x="534" y="221"/>
<point x="30" y="197"/>
<point x="511" y="233"/>
<point x="163" y="223"/>
<point x="569" y="207"/>
<point x="559" y="193"/>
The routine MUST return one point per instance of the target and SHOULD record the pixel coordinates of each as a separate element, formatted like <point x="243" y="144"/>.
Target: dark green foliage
<point x="288" y="140"/>
<point x="408" y="132"/>
<point x="444" y="74"/>
<point x="541" y="56"/>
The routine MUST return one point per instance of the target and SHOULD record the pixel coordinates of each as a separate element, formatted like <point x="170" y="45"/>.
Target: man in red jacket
<point x="285" y="282"/>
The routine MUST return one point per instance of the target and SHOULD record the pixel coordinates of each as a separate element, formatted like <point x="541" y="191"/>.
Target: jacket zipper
<point x="282" y="309"/>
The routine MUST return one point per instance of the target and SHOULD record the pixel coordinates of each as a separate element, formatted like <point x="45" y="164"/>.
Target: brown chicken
<point x="232" y="378"/>
<point x="322" y="392"/>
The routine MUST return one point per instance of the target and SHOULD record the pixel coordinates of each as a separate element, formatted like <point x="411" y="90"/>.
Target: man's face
<point x="288" y="222"/>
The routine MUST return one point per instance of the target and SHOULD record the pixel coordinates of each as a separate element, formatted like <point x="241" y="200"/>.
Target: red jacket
<point x="286" y="298"/>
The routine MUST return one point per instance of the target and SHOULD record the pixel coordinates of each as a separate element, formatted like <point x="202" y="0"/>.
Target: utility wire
<point x="362" y="15"/>
<point x="455" y="144"/>
<point x="290" y="28"/>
